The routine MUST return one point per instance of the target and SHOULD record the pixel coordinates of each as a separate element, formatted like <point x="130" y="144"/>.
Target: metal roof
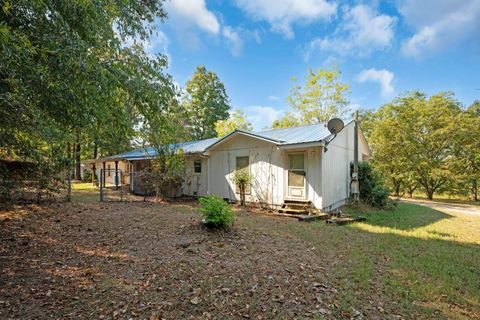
<point x="294" y="135"/>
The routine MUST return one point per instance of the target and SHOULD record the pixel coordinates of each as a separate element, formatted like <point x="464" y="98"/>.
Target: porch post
<point x="93" y="173"/>
<point x="130" y="163"/>
<point x="116" y="174"/>
<point x="103" y="174"/>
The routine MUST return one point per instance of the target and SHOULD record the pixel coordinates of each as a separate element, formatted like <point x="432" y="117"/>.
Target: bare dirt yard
<point x="90" y="260"/>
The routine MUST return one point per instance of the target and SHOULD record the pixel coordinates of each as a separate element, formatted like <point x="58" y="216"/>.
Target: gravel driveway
<point x="451" y="207"/>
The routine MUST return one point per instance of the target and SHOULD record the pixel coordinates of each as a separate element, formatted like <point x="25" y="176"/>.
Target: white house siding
<point x="195" y="184"/>
<point x="336" y="167"/>
<point x="268" y="165"/>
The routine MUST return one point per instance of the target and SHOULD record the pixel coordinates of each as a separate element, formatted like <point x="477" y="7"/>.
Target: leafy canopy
<point x="206" y="102"/>
<point x="237" y="120"/>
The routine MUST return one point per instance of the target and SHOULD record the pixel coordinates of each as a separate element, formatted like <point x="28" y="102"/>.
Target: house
<point x="286" y="164"/>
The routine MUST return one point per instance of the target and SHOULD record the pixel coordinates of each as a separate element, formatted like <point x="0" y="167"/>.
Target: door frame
<point x="305" y="168"/>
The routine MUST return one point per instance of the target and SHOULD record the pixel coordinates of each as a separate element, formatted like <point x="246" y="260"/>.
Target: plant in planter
<point x="242" y="179"/>
<point x="215" y="212"/>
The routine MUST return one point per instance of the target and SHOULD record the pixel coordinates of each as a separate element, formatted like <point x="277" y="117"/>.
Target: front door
<point x="296" y="176"/>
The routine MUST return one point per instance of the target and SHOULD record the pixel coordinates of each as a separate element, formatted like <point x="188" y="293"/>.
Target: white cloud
<point x="273" y="98"/>
<point x="261" y="117"/>
<point x="361" y="31"/>
<point x="281" y="14"/>
<point x="383" y="77"/>
<point x="234" y="40"/>
<point x="439" y="24"/>
<point x="192" y="13"/>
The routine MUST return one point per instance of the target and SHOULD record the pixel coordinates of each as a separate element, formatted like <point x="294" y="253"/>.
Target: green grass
<point x="446" y="198"/>
<point x="85" y="192"/>
<point x="426" y="261"/>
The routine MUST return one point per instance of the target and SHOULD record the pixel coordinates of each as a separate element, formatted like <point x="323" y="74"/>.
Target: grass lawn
<point x="142" y="260"/>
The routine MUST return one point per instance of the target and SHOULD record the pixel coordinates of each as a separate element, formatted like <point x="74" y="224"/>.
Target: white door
<point x="296" y="176"/>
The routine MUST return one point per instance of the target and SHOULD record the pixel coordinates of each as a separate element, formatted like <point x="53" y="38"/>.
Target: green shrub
<point x="372" y="190"/>
<point x="379" y="197"/>
<point x="215" y="212"/>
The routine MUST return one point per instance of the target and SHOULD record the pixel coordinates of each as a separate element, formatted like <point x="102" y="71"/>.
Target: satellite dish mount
<point x="334" y="125"/>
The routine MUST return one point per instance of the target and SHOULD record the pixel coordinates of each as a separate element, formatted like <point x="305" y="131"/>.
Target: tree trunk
<point x="429" y="194"/>
<point x="242" y="195"/>
<point x="474" y="190"/>
<point x="410" y="191"/>
<point x="78" y="168"/>
<point x="95" y="154"/>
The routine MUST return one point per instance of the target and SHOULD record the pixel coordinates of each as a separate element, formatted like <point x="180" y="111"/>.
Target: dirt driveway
<point x="447" y="207"/>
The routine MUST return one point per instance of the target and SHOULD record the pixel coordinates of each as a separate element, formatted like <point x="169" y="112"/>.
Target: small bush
<point x="372" y="190"/>
<point x="215" y="212"/>
<point x="379" y="196"/>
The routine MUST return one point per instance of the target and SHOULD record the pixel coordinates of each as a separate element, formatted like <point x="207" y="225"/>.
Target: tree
<point x="413" y="141"/>
<point x="206" y="102"/>
<point x="321" y="98"/>
<point x="237" y="120"/>
<point x="242" y="179"/>
<point x="66" y="74"/>
<point x="288" y="120"/>
<point x="467" y="149"/>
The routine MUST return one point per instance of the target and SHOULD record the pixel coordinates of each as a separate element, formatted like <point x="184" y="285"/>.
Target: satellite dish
<point x="335" y="125"/>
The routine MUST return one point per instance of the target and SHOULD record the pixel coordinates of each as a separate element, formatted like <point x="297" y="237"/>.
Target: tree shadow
<point x="404" y="217"/>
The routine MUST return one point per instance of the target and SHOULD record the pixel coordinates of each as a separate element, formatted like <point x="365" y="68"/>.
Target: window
<point x="197" y="166"/>
<point x="296" y="170"/>
<point x="242" y="163"/>
<point x="108" y="170"/>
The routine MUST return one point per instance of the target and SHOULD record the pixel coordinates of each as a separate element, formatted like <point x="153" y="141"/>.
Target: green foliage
<point x="372" y="190"/>
<point x="64" y="69"/>
<point x="288" y="120"/>
<point x="206" y="102"/>
<point x="414" y="139"/>
<point x="321" y="98"/>
<point x="242" y="179"/>
<point x="69" y="79"/>
<point x="237" y="120"/>
<point x="215" y="212"/>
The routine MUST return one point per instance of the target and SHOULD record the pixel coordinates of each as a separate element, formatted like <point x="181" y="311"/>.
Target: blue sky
<point x="383" y="48"/>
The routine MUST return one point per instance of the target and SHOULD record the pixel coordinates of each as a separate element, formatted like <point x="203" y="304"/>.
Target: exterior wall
<point x="110" y="179"/>
<point x="137" y="185"/>
<point x="336" y="167"/>
<point x="195" y="184"/>
<point x="268" y="165"/>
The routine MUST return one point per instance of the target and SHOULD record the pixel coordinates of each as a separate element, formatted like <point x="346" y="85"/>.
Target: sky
<point x="383" y="48"/>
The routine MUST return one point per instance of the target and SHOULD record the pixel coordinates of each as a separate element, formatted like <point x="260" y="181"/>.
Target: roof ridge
<point x="299" y="126"/>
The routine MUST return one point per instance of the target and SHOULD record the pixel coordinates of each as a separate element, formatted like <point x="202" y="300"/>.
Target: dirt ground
<point x="141" y="260"/>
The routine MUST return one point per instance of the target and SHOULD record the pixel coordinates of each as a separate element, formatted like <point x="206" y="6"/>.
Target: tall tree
<point x="321" y="98"/>
<point x="206" y="102"/>
<point x="413" y="140"/>
<point x="237" y="120"/>
<point x="65" y="69"/>
<point x="467" y="149"/>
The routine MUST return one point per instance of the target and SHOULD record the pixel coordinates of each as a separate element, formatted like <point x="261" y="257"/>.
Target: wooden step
<point x="314" y="217"/>
<point x="290" y="210"/>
